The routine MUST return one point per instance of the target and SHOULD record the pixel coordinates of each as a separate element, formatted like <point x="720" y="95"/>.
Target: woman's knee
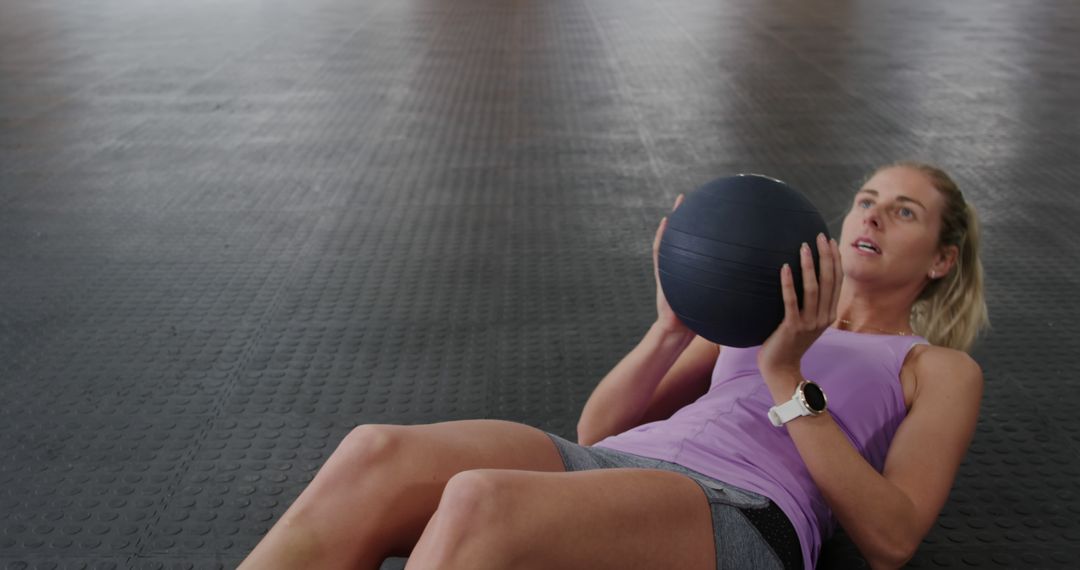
<point x="476" y="513"/>
<point x="476" y="497"/>
<point x="368" y="446"/>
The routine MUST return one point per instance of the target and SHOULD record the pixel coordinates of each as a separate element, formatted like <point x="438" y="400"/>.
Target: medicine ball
<point x="721" y="253"/>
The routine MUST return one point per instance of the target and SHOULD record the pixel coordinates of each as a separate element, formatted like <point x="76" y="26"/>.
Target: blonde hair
<point x="951" y="311"/>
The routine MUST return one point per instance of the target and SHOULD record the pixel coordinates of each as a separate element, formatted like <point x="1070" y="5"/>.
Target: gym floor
<point x="232" y="231"/>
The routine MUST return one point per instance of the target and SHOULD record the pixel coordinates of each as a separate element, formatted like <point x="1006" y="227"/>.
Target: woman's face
<point x="900" y="211"/>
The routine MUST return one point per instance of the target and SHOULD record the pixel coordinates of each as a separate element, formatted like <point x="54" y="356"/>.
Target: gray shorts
<point x="739" y="544"/>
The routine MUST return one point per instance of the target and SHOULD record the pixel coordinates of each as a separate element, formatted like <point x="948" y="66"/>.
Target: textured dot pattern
<point x="230" y="232"/>
<point x="775" y="527"/>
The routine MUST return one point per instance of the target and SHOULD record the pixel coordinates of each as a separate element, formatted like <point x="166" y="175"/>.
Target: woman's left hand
<point x="784" y="349"/>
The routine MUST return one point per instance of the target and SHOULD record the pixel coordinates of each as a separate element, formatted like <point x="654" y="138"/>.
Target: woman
<point x="673" y="421"/>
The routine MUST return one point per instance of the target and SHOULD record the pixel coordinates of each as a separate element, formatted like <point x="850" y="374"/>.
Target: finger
<point x="826" y="293"/>
<point x="810" y="284"/>
<point x="659" y="234"/>
<point x="787" y="289"/>
<point x="656" y="247"/>
<point x="678" y="201"/>
<point x="838" y="271"/>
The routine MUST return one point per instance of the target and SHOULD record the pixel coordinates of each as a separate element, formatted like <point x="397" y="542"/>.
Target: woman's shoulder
<point x="935" y="357"/>
<point x="939" y="366"/>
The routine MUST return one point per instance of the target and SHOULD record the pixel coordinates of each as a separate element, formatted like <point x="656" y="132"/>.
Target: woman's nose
<point x="872" y="219"/>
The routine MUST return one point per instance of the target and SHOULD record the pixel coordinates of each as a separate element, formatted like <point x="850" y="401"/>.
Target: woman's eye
<point x="905" y="212"/>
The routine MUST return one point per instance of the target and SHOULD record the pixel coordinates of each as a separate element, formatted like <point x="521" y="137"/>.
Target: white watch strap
<point x="784" y="413"/>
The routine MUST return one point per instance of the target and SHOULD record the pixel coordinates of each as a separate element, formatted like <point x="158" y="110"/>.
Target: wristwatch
<point x="808" y="400"/>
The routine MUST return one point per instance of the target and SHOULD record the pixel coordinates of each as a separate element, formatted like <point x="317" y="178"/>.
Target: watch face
<point x="815" y="398"/>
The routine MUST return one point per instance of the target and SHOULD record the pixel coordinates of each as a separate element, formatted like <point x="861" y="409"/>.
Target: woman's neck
<point x="877" y="311"/>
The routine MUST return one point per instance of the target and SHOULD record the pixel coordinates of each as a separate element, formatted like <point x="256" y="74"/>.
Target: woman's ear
<point x="946" y="258"/>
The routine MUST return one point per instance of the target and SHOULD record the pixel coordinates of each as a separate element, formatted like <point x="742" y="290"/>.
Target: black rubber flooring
<point x="231" y="231"/>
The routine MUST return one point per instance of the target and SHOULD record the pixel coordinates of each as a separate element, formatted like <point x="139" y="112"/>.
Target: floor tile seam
<point x="778" y="38"/>
<point x="516" y="49"/>
<point x="182" y="92"/>
<point x="254" y="47"/>
<point x="620" y="76"/>
<point x="257" y="45"/>
<point x="702" y="53"/>
<point x="71" y="94"/>
<point x="403" y="82"/>
<point x="215" y="414"/>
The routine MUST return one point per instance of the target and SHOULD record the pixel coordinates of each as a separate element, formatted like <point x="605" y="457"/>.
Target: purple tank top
<point x="726" y="434"/>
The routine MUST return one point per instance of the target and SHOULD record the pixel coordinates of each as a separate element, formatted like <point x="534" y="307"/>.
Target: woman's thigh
<point x="737" y="543"/>
<point x="411" y="465"/>
<point x="444" y="449"/>
<point x="602" y="519"/>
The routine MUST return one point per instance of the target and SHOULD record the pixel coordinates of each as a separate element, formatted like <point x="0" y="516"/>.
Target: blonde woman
<point x="696" y="456"/>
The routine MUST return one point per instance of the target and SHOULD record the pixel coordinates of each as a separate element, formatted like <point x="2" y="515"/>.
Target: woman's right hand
<point x="665" y="317"/>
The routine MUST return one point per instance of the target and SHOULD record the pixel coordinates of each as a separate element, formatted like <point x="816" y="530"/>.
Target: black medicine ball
<point x="721" y="254"/>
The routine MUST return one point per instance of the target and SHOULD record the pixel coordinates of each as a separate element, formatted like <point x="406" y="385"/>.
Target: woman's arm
<point x="627" y="392"/>
<point x="887" y="514"/>
<point x="618" y="402"/>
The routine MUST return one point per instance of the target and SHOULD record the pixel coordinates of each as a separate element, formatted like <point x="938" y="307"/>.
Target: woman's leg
<point x="377" y="491"/>
<point x="603" y="519"/>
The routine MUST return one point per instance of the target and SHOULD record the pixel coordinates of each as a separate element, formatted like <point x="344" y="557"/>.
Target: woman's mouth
<point x="864" y="248"/>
